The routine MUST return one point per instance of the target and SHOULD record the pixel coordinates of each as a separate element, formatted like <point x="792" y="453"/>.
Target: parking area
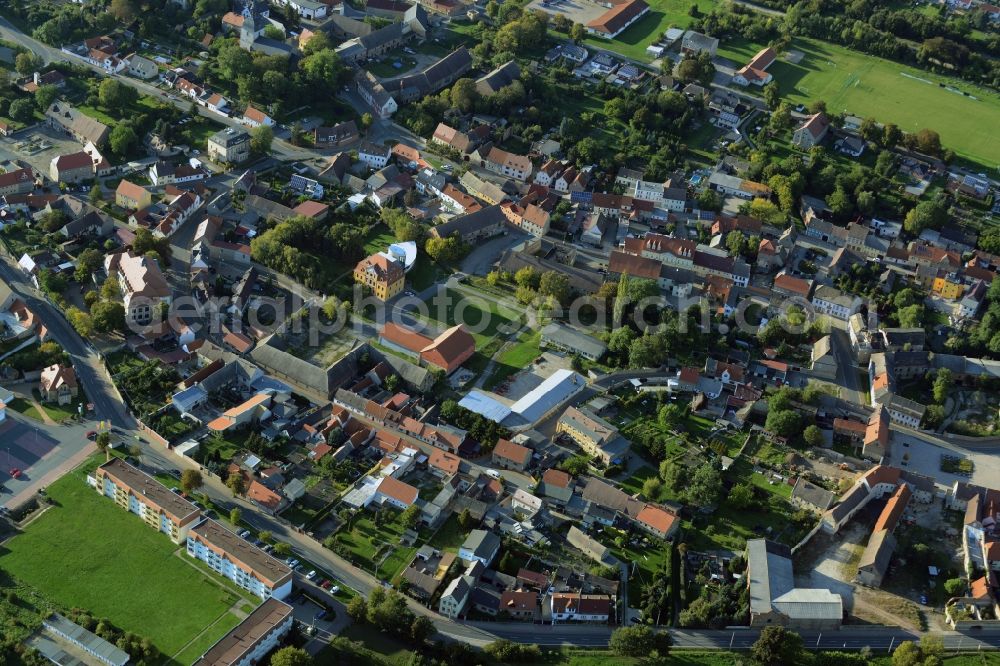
<point x="37" y="452"/>
<point x="911" y="452"/>
<point x="37" y="146"/>
<point x="320" y="622"/>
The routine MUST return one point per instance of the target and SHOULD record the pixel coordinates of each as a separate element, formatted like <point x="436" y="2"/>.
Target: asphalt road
<point x="49" y="54"/>
<point x="90" y="369"/>
<point x="847" y="369"/>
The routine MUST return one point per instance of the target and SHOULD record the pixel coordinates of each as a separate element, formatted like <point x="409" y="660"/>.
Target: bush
<point x="509" y="652"/>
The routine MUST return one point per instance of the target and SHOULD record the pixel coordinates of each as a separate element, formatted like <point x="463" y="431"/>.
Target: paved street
<point x="847" y="370"/>
<point x="49" y="54"/>
<point x="89" y="368"/>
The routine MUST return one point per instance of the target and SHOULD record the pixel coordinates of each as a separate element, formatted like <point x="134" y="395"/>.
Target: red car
<point x="15" y="473"/>
<point x="92" y="435"/>
<point x="325" y="584"/>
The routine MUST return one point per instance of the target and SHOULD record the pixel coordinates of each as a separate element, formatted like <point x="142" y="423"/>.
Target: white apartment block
<point x="240" y="561"/>
<point x="147" y="498"/>
<point x="253" y="638"/>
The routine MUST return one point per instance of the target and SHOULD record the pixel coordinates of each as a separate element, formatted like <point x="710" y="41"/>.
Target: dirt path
<point x="46" y="419"/>
<point x="868" y="606"/>
<point x="834" y="567"/>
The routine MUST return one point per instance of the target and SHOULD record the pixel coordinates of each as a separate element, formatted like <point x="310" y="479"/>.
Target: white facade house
<point x="835" y="303"/>
<point x="481" y="546"/>
<point x="239" y="561"/>
<point x="374" y="156"/>
<point x="455" y="596"/>
<point x="307" y="9"/>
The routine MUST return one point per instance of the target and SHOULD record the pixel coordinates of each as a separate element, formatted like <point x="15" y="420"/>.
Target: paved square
<point x="22" y="446"/>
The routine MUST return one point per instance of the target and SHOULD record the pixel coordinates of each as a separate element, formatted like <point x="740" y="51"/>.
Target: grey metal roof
<point x="471" y="223"/>
<point x="810" y="493"/>
<point x="573" y="339"/>
<point x="854" y="498"/>
<point x="502" y="76"/>
<point x="481" y="543"/>
<point x="276" y="360"/>
<point x="769" y="570"/>
<point x="878" y="552"/>
<point x="90" y="642"/>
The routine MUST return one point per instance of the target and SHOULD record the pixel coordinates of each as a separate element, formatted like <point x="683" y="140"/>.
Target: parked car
<point x="244" y="534"/>
<point x="92" y="435"/>
<point x="15" y="473"/>
<point x="321" y="614"/>
<point x="311" y="575"/>
<point x="334" y="589"/>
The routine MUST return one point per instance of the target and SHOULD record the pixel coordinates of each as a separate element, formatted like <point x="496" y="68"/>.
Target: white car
<point x="311" y="575"/>
<point x="334" y="589"/>
<point x="493" y="473"/>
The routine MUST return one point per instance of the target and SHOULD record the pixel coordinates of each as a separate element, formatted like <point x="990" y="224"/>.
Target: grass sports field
<point x="86" y="552"/>
<point x="662" y="14"/>
<point x="866" y="86"/>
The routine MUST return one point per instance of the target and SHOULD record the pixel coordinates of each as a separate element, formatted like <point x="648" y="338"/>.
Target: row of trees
<point x="481" y="429"/>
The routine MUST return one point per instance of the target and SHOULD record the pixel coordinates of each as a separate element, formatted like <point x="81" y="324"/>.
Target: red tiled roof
<point x="255" y="114"/>
<point x="889" y="517"/>
<point x="261" y="494"/>
<point x="557" y="477"/>
<point x="617" y="17"/>
<point x="882" y="474"/>
<point x="396" y="489"/>
<point x="689" y="375"/>
<point x="792" y="284"/>
<point x="511" y="451"/>
<point x="657" y="518"/>
<point x="311" y="208"/>
<point x="444" y="461"/>
<point x="635" y="266"/>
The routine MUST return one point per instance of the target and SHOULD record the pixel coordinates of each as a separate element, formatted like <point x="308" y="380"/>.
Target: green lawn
<point x="482" y="317"/>
<point x="378" y="239"/>
<point x="862" y="85"/>
<point x="365" y="540"/>
<point x="648" y="561"/>
<point x="385" y="68"/>
<point x="378" y="649"/>
<point x="632" y="483"/>
<point x="22" y="406"/>
<point x="662" y="14"/>
<point x="62" y="412"/>
<point x="425" y="273"/>
<point x="516" y="358"/>
<point x="86" y="552"/>
<point x="449" y="536"/>
<point x="200" y="645"/>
